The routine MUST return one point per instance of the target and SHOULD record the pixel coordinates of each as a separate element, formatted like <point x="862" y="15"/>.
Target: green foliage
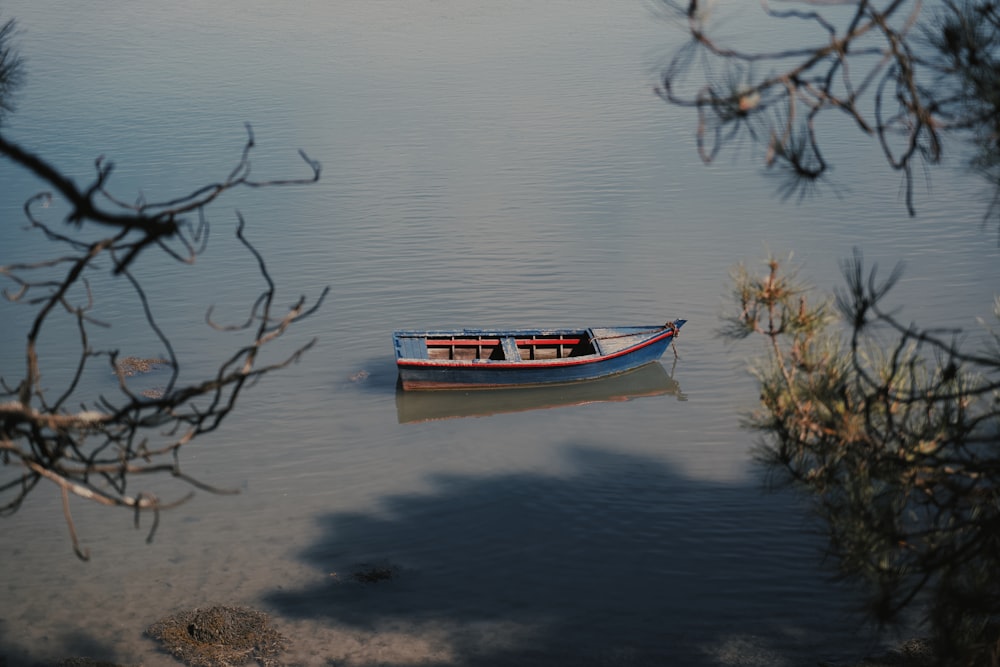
<point x="965" y="37"/>
<point x="11" y="68"/>
<point x="891" y="433"/>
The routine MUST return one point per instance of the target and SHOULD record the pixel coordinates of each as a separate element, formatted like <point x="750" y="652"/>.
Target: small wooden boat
<point x="489" y="358"/>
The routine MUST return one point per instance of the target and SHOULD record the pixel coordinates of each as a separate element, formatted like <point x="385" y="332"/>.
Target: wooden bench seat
<point x="510" y="351"/>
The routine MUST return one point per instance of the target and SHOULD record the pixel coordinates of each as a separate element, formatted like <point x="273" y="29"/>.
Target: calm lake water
<point x="484" y="163"/>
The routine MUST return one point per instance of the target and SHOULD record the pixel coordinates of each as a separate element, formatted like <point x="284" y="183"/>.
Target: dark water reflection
<point x="515" y="548"/>
<point x="649" y="380"/>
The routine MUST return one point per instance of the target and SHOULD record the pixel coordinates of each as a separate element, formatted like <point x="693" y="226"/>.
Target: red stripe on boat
<point x="533" y="363"/>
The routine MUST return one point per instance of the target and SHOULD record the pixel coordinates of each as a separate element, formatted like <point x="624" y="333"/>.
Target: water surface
<point x="484" y="164"/>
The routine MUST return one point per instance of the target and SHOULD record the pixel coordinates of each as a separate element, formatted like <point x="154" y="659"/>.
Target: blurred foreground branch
<point x="891" y="432"/>
<point x="906" y="75"/>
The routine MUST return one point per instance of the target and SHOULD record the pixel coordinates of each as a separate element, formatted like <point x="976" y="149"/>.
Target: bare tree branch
<point x="903" y="75"/>
<point x="93" y="452"/>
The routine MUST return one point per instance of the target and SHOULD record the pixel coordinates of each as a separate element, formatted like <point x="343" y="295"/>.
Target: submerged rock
<point x="219" y="637"/>
<point x="130" y="366"/>
<point x="373" y="573"/>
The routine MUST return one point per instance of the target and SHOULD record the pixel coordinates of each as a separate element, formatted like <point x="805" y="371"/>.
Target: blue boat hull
<point x="476" y="358"/>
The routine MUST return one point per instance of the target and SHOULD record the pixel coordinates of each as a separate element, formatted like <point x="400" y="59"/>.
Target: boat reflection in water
<point x="649" y="380"/>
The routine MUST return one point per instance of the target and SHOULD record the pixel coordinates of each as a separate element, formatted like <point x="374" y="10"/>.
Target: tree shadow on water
<point x="622" y="562"/>
<point x="66" y="648"/>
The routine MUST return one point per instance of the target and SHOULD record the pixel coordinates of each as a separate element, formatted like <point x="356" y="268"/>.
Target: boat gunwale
<point x="410" y="362"/>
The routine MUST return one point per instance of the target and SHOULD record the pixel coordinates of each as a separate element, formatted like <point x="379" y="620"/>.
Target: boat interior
<point x="464" y="347"/>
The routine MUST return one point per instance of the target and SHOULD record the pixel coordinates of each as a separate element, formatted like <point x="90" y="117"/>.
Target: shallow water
<point x="484" y="164"/>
